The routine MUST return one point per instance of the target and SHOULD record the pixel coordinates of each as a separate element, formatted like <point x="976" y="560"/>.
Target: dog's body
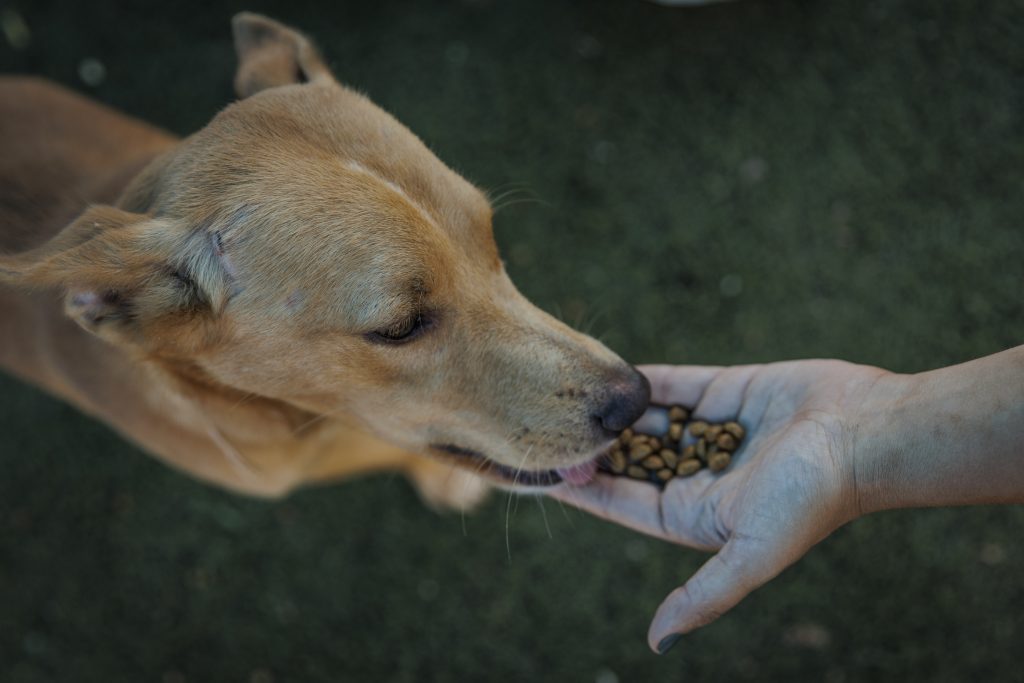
<point x="299" y="292"/>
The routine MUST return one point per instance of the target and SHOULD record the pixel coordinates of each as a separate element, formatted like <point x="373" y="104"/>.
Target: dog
<point x="299" y="292"/>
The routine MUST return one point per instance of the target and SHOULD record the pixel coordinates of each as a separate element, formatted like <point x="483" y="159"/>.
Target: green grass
<point x="753" y="181"/>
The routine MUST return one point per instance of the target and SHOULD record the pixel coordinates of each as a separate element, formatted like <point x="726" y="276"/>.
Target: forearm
<point x="953" y="436"/>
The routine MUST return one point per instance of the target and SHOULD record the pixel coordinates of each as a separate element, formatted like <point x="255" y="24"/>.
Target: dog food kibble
<point x="734" y="428"/>
<point x="687" y="447"/>
<point x="675" y="431"/>
<point x="718" y="461"/>
<point x="637" y="472"/>
<point x="653" y="462"/>
<point x="688" y="467"/>
<point x="678" y="414"/>
<point x="617" y="461"/>
<point x="639" y="451"/>
<point x="670" y="457"/>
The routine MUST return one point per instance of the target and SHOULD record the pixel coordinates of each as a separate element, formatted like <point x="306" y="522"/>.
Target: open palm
<point x="790" y="484"/>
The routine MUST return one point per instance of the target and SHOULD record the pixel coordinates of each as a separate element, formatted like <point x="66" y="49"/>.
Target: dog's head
<point x="306" y="247"/>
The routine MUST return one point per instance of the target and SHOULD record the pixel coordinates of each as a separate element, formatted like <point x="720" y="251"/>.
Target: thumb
<point x="741" y="566"/>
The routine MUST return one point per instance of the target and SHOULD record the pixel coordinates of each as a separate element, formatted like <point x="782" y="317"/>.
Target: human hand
<point x="791" y="483"/>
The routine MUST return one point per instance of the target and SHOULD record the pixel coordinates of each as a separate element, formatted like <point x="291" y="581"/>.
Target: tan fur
<point x="229" y="289"/>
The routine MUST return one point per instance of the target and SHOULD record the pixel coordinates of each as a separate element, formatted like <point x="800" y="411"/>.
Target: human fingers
<point x="740" y="567"/>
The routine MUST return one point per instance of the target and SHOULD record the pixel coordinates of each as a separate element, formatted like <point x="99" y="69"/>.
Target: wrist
<point x="953" y="436"/>
<point x="877" y="445"/>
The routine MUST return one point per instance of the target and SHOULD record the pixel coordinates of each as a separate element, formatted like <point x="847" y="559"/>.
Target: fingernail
<point x="668" y="642"/>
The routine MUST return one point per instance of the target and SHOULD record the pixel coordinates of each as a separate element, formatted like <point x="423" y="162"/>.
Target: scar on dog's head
<point x="306" y="247"/>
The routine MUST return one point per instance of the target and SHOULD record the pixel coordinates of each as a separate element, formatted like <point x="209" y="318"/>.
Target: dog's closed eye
<point x="403" y="331"/>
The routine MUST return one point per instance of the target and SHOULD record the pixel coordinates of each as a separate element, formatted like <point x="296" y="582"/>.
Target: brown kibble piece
<point x="625" y="436"/>
<point x="678" y="414"/>
<point x="688" y="467"/>
<point x="636" y="472"/>
<point x="653" y="462"/>
<point x="712" y="432"/>
<point x="689" y="452"/>
<point x="718" y="461"/>
<point x="640" y="452"/>
<point x="655" y="443"/>
<point x="638" y="440"/>
<point x="617" y="461"/>
<point x="702" y="449"/>
<point x="736" y="429"/>
<point x="670" y="457"/>
<point x="697" y="428"/>
<point x="675" y="431"/>
<point x="726" y="441"/>
<point x="665" y="474"/>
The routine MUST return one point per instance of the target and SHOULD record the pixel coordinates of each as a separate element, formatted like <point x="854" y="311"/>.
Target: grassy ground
<point x="754" y="181"/>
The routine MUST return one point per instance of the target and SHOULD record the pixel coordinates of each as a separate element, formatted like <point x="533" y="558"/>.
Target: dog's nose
<point x="627" y="400"/>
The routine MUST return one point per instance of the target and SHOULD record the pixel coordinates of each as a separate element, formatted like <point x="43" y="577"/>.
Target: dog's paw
<point x="444" y="487"/>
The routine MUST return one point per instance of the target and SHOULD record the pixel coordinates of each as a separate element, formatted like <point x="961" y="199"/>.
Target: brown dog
<point x="297" y="292"/>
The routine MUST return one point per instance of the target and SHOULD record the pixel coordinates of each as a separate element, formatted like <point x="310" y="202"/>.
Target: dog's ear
<point x="129" y="278"/>
<point x="271" y="54"/>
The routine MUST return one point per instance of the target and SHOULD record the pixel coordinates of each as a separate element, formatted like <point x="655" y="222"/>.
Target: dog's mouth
<point x="577" y="475"/>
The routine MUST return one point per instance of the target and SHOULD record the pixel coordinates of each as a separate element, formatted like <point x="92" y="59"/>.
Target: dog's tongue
<point x="578" y="475"/>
